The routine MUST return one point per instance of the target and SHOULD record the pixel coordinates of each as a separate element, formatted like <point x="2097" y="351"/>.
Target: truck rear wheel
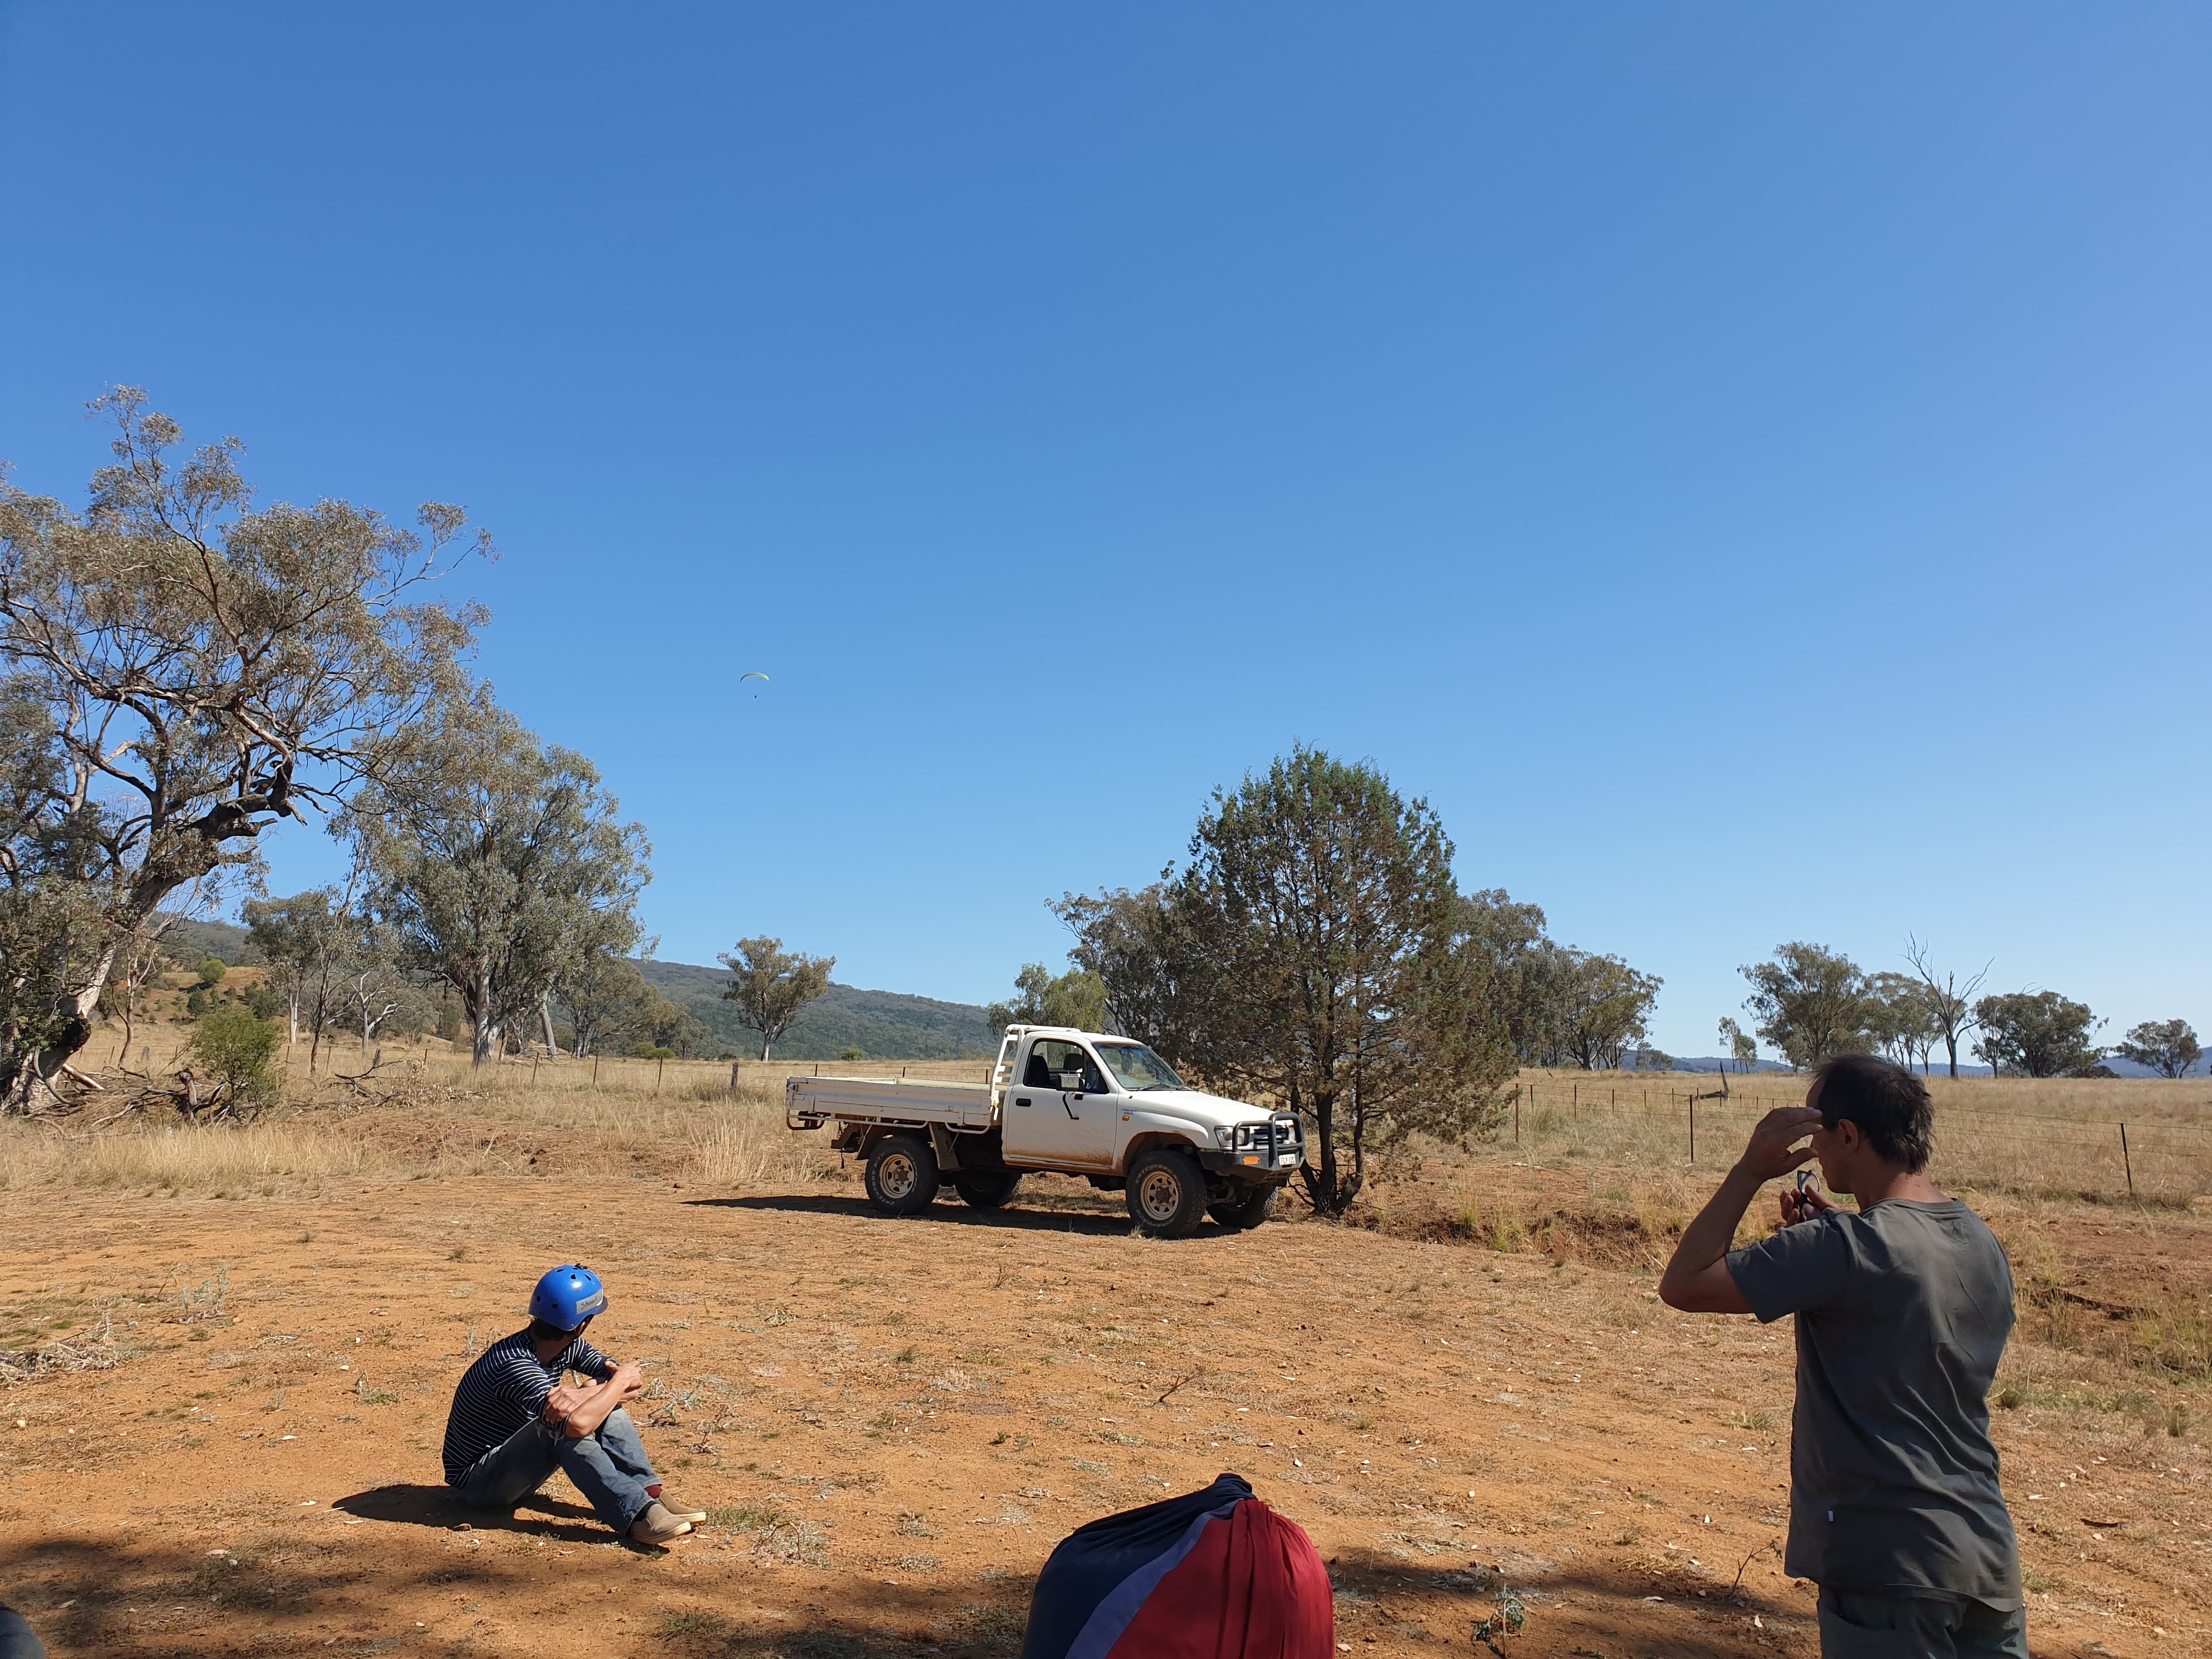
<point x="1167" y="1193"/>
<point x="1246" y="1211"/>
<point x="901" y="1177"/>
<point x="986" y="1189"/>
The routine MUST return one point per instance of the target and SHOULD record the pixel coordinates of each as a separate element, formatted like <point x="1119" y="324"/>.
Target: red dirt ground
<point x="896" y="1420"/>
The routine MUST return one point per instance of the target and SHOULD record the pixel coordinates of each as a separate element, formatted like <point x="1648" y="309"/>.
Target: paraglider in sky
<point x="754" y="675"/>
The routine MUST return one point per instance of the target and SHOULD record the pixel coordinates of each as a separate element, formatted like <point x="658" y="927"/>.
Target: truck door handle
<point x="1067" y="1105"/>
<point x="1020" y="1101"/>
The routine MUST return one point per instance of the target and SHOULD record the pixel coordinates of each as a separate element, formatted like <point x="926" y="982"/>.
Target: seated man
<point x="515" y="1420"/>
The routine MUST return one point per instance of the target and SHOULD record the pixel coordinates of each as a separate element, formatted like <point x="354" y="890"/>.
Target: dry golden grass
<point x="2060" y="1136"/>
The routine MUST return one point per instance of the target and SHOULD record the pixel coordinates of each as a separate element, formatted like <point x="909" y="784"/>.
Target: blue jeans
<point x="609" y="1466"/>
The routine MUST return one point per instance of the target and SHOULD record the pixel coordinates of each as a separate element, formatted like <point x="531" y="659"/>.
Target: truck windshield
<point x="1137" y="1068"/>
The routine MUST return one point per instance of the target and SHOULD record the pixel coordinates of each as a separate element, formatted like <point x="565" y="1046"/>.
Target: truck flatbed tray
<point x="810" y="1102"/>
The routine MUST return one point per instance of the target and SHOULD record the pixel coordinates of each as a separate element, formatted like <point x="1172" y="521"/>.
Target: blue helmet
<point x="567" y="1297"/>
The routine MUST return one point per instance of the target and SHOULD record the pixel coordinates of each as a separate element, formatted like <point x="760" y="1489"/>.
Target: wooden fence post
<point x="1694" y="1128"/>
<point x="2128" y="1162"/>
<point x="1516" y="1120"/>
<point x="660" y="1071"/>
<point x="595" y="1071"/>
<point x="734" y="1075"/>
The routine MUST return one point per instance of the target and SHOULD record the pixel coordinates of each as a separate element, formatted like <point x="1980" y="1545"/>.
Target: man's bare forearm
<point x="1706" y="1239"/>
<point x="590" y="1409"/>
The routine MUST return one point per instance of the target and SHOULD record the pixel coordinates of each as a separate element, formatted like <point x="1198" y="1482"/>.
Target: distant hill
<point x="193" y="942"/>
<point x="882" y="1024"/>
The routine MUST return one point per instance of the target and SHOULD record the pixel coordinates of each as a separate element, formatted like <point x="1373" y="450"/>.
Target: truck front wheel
<point x="1167" y="1193"/>
<point x="1243" y="1213"/>
<point x="986" y="1189"/>
<point x="901" y="1177"/>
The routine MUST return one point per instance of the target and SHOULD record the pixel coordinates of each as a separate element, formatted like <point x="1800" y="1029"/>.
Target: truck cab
<point x="1104" y="1107"/>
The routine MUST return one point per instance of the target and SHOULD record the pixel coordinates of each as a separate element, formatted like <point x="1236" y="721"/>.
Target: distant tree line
<point x="1810" y="1002"/>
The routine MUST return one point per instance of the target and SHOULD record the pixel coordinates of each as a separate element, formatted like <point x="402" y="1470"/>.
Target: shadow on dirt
<point x="437" y="1506"/>
<point x="1083" y="1223"/>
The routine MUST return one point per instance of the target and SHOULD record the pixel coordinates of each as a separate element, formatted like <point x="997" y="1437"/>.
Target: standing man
<point x="1903" y="1308"/>
<point x="515" y="1419"/>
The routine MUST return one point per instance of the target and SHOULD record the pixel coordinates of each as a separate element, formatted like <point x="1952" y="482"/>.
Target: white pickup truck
<point x="1104" y="1107"/>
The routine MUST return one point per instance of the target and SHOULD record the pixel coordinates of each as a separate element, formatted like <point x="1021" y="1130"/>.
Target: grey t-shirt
<point x="1902" y="1314"/>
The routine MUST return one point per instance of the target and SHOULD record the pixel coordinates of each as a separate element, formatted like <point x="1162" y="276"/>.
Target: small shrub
<point x="211" y="973"/>
<point x="2010" y="1399"/>
<point x="236" y="1049"/>
<point x="852" y="1053"/>
<point x="205" y="1301"/>
<point x="1502" y="1625"/>
<point x="690" y="1622"/>
<point x="2177" y="1420"/>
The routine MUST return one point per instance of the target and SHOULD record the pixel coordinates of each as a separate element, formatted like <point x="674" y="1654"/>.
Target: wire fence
<point x="2156" y="1160"/>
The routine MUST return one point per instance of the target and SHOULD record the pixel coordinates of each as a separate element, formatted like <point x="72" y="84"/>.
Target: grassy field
<point x="1468" y="1384"/>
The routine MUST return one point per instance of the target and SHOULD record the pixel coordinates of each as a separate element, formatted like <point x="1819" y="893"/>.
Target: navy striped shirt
<point x="503" y="1390"/>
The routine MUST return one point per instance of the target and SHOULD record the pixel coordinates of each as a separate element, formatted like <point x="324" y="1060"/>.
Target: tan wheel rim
<point x="1159" y="1195"/>
<point x="896" y="1176"/>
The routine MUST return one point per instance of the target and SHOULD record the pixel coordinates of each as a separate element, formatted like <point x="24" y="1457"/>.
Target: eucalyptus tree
<point x="1076" y="998"/>
<point x="1811" y="1002"/>
<point x="771" y="985"/>
<point x="2168" y="1046"/>
<point x="2036" y="1034"/>
<point x="498" y="863"/>
<point x="179" y="670"/>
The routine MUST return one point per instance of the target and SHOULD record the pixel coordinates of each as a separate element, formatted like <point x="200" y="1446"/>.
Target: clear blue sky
<point x="1750" y="468"/>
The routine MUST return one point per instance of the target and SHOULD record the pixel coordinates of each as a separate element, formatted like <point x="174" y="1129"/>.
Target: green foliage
<point x="2036" y="1034"/>
<point x="264" y="1003"/>
<point x="196" y="1003"/>
<point x="854" y="1054"/>
<point x="1502" y="1625"/>
<point x="2168" y="1046"/>
<point x="1312" y="953"/>
<point x="449" y="1020"/>
<point x="842" y="1017"/>
<point x="651" y="1051"/>
<point x="1811" y="1002"/>
<point x="1077" y="998"/>
<point x="1900" y="1018"/>
<point x="1560" y="1006"/>
<point x="1739" y="1045"/>
<point x="497" y="863"/>
<point x="182" y="671"/>
<point x="235" y="1048"/>
<point x="771" y="986"/>
<point x="211" y="972"/>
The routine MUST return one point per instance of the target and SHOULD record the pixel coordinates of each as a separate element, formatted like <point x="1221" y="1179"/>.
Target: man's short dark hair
<point x="541" y="1332"/>
<point x="1890" y="1105"/>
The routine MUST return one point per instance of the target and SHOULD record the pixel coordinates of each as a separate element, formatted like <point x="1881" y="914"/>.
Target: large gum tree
<point x="179" y="669"/>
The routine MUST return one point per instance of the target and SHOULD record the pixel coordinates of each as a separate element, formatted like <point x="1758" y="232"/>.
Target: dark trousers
<point x="17" y="1641"/>
<point x="1854" y="1626"/>
<point x="609" y="1466"/>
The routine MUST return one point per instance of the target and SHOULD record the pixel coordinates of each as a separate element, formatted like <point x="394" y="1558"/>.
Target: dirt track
<point x="895" y="1421"/>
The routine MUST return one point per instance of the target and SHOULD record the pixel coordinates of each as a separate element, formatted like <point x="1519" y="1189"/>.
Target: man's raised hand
<point x="1769" y="1153"/>
<point x="1802" y="1204"/>
<point x="630" y="1377"/>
